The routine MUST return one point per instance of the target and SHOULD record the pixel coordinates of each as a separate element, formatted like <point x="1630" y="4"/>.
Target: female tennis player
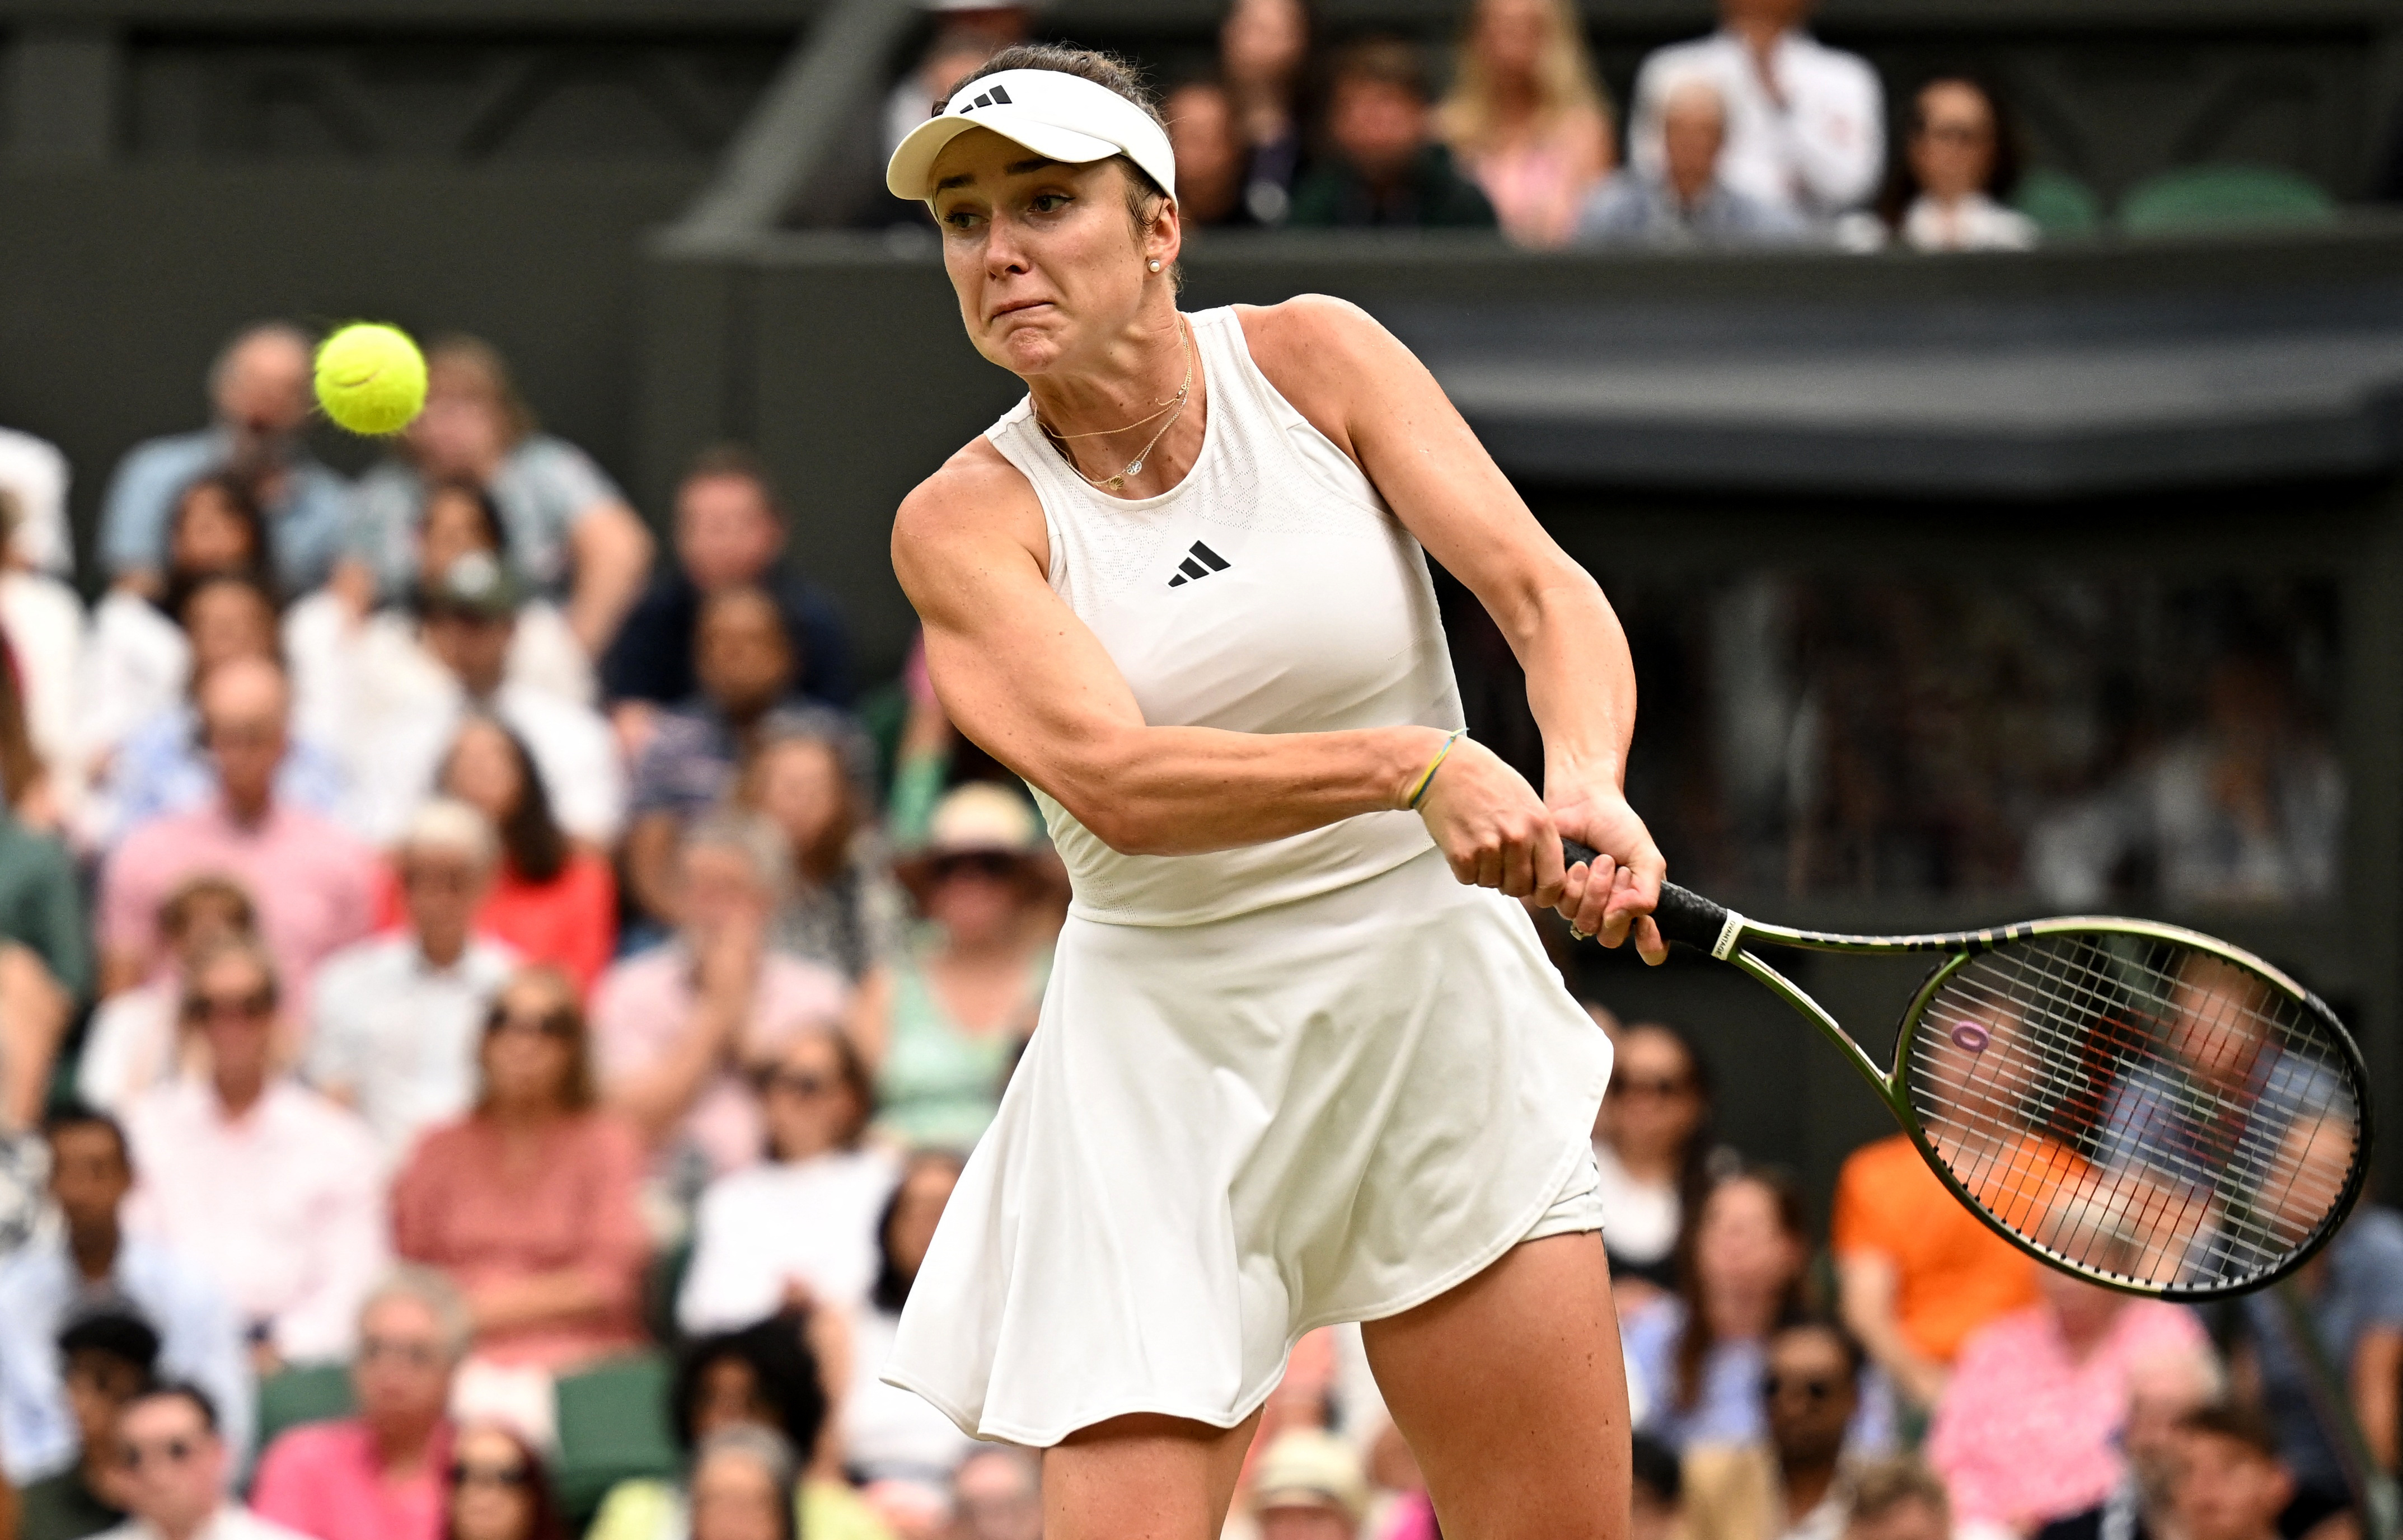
<point x="1301" y="1059"/>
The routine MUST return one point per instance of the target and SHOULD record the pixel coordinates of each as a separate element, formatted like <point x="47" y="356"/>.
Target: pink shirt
<point x="645" y="1004"/>
<point x="312" y="882"/>
<point x="284" y="1206"/>
<point x="488" y="1212"/>
<point x="2025" y="1434"/>
<point x="321" y="1479"/>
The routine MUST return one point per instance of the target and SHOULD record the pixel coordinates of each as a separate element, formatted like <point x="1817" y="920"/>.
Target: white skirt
<point x="1223" y="1136"/>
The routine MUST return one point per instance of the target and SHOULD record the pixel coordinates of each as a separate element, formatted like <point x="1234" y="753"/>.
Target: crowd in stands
<point x="1757" y="135"/>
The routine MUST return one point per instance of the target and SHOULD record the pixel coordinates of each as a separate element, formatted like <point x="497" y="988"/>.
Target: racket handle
<point x="1682" y="915"/>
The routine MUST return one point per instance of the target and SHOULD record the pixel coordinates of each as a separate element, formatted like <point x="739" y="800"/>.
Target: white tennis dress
<point x="1271" y="1087"/>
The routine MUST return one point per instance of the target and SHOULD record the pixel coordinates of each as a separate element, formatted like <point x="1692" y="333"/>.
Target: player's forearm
<point x="1180" y="791"/>
<point x="1580" y="681"/>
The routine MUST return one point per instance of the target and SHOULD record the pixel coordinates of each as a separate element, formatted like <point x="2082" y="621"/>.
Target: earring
<point x="1154" y="264"/>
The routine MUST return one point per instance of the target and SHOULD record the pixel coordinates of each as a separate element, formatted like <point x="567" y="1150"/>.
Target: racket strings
<point x="2137" y="1106"/>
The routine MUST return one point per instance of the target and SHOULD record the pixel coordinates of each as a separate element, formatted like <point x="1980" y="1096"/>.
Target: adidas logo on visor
<point x="998" y="97"/>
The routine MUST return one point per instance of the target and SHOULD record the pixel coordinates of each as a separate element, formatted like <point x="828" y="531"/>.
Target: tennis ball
<point x="370" y="379"/>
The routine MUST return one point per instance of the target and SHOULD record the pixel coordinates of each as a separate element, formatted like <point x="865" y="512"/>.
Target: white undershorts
<point x="1577" y="1208"/>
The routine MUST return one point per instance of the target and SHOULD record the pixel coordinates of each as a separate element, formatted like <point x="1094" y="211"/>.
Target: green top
<point x="1430" y="195"/>
<point x="62" y="1507"/>
<point x="39" y="907"/>
<point x="941" y="1084"/>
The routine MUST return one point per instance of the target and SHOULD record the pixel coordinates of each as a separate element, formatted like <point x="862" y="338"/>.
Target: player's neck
<point x="1114" y="386"/>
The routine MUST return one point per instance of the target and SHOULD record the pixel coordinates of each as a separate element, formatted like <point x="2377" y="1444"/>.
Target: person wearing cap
<point x="470" y="620"/>
<point x="395" y="1017"/>
<point x="1308" y="1486"/>
<point x="1301" y="1059"/>
<point x="944" y="1022"/>
<point x="273" y="1189"/>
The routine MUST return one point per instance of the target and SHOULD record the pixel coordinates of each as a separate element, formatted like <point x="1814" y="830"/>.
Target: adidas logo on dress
<point x="1192" y="566"/>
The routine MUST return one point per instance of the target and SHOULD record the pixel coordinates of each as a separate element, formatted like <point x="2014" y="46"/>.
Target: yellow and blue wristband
<point x="1418" y="793"/>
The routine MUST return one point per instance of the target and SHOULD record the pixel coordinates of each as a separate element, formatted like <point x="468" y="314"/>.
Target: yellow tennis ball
<point x="370" y="379"/>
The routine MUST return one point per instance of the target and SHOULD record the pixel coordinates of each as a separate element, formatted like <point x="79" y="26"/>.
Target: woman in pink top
<point x="529" y="1202"/>
<point x="1526" y="118"/>
<point x="2028" y="1429"/>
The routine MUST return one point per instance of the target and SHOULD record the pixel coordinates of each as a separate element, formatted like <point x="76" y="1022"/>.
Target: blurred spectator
<point x="1916" y="1273"/>
<point x="369" y="669"/>
<point x="1525" y="117"/>
<point x="943" y="1025"/>
<point x="1651" y="1145"/>
<point x="800" y="1227"/>
<point x="569" y="527"/>
<point x="729" y="533"/>
<point x="2029" y="1424"/>
<point x="1211" y="156"/>
<point x="1789" y="1486"/>
<point x="813" y="776"/>
<point x="1701" y="1352"/>
<point x="34" y="476"/>
<point x="551" y="902"/>
<point x="108" y="1358"/>
<point x="890" y="1434"/>
<point x="1949" y="190"/>
<point x="161" y="765"/>
<point x="1805" y="123"/>
<point x="2353" y="1293"/>
<point x="1899" y="1499"/>
<point x="45" y="966"/>
<point x="967" y="34"/>
<point x="997" y="1495"/>
<point x="2247" y="810"/>
<point x="471" y="615"/>
<point x="259" y="390"/>
<point x="1656" y="1491"/>
<point x="132" y="1043"/>
<point x="311" y="882"/>
<point x="496" y="1489"/>
<point x="42" y="624"/>
<point x="767" y="1376"/>
<point x="2161" y="1393"/>
<point x="139" y="663"/>
<point x="1264" y="51"/>
<point x="2231" y="1483"/>
<point x="1386" y="168"/>
<point x="680" y="1029"/>
<point x="378" y="1475"/>
<point x="743" y="1486"/>
<point x="397" y="1017"/>
<point x="1683" y="201"/>
<point x="275" y="1191"/>
<point x="1308" y="1485"/>
<point x="745" y="662"/>
<point x="178" y="1470"/>
<point x="90" y="1262"/>
<point x="529" y="1202"/>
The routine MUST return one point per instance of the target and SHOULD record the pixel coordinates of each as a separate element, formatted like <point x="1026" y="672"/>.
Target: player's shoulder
<point x="977" y="497"/>
<point x="1305" y="327"/>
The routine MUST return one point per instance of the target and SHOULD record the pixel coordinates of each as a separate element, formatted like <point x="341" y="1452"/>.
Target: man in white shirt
<point x="274" y="1189"/>
<point x="398" y="1017"/>
<point x="1805" y="122"/>
<point x="470" y="621"/>
<point x="174" y="1467"/>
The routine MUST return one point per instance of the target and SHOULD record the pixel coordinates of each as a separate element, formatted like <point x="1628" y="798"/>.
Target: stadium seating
<point x="2224" y="198"/>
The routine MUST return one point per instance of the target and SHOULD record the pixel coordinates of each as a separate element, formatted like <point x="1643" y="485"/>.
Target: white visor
<point x="1064" y="117"/>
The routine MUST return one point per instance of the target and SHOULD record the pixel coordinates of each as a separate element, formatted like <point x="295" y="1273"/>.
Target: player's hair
<point x="2236" y="1423"/>
<point x="1112" y="74"/>
<point x="1881" y="1488"/>
<point x="1696" y="1338"/>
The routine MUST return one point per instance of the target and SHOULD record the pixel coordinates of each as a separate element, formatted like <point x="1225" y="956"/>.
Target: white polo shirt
<point x="1819" y="151"/>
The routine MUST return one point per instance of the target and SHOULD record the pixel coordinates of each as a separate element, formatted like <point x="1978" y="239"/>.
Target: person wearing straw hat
<point x="1301" y="1059"/>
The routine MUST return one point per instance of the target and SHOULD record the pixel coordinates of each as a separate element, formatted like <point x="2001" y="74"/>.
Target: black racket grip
<point x="1682" y="916"/>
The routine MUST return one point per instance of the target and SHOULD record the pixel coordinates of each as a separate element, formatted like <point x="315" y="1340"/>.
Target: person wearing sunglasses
<point x="174" y="1469"/>
<point x="1652" y="1147"/>
<point x="496" y="1489"/>
<point x="944" y="1023"/>
<point x="1788" y="1486"/>
<point x="274" y="1188"/>
<point x="529" y="1202"/>
<point x="798" y="1228"/>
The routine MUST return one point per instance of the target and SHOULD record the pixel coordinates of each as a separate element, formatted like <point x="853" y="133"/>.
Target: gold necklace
<point x="1174" y="407"/>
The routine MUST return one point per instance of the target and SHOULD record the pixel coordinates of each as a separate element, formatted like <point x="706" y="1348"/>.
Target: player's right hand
<point x="1491" y="827"/>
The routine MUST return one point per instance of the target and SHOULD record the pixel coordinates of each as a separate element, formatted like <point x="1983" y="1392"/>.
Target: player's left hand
<point x="1612" y="898"/>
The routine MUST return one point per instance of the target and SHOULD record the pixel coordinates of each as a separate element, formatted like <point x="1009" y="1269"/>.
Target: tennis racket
<point x="2137" y="1104"/>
